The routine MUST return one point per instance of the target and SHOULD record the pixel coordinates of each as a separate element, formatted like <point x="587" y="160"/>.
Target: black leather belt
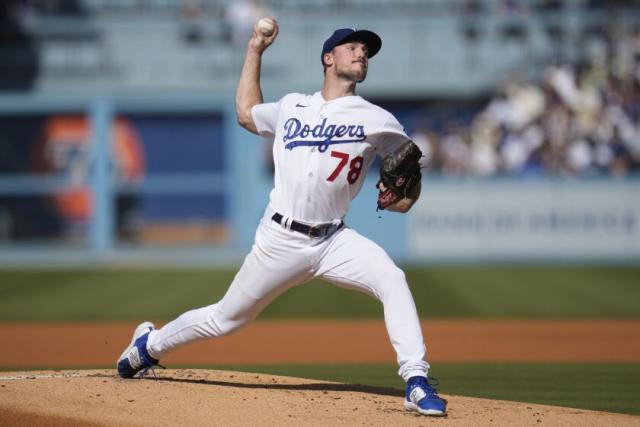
<point x="320" y="230"/>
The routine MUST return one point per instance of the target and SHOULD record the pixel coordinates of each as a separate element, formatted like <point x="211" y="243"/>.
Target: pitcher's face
<point x="351" y="61"/>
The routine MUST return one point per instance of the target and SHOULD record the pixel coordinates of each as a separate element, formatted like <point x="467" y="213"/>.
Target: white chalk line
<point x="44" y="376"/>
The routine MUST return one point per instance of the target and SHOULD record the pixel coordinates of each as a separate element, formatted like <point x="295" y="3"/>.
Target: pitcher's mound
<point x="187" y="397"/>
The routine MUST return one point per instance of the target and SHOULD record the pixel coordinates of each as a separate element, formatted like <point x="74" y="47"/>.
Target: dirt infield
<point x="198" y="397"/>
<point x="211" y="398"/>
<point x="266" y="342"/>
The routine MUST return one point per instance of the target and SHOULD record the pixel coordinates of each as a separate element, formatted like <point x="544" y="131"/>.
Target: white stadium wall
<point x="546" y="220"/>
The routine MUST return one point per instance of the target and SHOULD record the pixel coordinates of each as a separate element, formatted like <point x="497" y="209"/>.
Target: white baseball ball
<point x="266" y="26"/>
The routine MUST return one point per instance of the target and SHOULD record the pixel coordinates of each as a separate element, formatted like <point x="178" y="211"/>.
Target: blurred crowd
<point x="578" y="120"/>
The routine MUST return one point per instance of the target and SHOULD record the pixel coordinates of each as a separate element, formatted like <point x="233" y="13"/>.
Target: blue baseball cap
<point x="345" y="35"/>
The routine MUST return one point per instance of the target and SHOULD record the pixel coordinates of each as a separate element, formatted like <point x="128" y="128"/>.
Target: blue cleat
<point x="422" y="397"/>
<point x="135" y="357"/>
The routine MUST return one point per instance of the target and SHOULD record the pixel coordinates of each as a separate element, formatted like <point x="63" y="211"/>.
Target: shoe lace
<point x="429" y="385"/>
<point x="151" y="368"/>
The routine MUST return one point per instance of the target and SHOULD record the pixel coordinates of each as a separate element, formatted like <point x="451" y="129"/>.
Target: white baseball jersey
<point x="322" y="151"/>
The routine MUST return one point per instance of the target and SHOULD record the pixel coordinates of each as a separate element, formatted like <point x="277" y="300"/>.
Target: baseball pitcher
<point x="323" y="145"/>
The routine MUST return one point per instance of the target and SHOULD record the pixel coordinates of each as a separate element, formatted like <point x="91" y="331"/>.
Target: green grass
<point x="602" y="387"/>
<point x="96" y="295"/>
<point x="472" y="292"/>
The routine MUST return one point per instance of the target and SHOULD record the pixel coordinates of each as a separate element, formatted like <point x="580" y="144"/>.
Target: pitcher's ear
<point x="328" y="58"/>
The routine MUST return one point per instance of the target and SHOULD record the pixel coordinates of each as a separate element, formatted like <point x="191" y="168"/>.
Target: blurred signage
<point x="540" y="220"/>
<point x="64" y="148"/>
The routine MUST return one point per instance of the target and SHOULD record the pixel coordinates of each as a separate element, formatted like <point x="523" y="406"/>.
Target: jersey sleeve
<point x="391" y="135"/>
<point x="265" y="117"/>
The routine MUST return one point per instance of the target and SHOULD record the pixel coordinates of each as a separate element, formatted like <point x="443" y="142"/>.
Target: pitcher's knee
<point x="224" y="324"/>
<point x="390" y="280"/>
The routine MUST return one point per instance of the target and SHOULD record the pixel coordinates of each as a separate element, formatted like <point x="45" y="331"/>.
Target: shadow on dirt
<point x="359" y="388"/>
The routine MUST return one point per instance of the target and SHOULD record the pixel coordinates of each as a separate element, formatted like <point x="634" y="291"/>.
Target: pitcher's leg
<point x="355" y="262"/>
<point x="263" y="276"/>
<point x="233" y="311"/>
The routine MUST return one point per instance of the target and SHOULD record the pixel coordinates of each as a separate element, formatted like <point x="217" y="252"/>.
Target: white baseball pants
<point x="281" y="259"/>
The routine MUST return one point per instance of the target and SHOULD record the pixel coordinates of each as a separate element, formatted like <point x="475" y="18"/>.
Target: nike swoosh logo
<point x="300" y="105"/>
